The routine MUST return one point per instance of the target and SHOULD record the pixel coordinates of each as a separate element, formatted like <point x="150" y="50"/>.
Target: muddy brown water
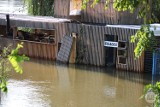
<point x="48" y="84"/>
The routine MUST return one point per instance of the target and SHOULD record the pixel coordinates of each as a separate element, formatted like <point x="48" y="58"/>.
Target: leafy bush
<point x="10" y="60"/>
<point x="156" y="90"/>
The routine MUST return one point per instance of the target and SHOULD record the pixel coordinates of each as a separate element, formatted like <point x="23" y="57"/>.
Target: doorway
<point x="110" y="52"/>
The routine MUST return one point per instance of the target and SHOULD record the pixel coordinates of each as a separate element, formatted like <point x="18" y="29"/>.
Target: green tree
<point x="40" y="7"/>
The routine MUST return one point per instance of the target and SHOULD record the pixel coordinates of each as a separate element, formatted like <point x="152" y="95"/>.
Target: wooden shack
<point x="40" y="42"/>
<point x="95" y="53"/>
<point x="92" y="41"/>
<point x="93" y="37"/>
<point x="93" y="26"/>
<point x="93" y="32"/>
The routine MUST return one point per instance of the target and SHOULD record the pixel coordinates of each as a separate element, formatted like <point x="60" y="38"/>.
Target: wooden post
<point x="14" y="32"/>
<point x="72" y="58"/>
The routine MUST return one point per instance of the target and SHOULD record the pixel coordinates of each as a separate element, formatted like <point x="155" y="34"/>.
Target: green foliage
<point x="145" y="40"/>
<point x="84" y="3"/>
<point x="156" y="89"/>
<point x="25" y="29"/>
<point x="144" y="11"/>
<point x="40" y="7"/>
<point x="123" y="5"/>
<point x="10" y="60"/>
<point x="16" y="59"/>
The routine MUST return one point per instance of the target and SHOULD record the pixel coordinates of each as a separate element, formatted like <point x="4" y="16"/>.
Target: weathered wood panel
<point x="98" y="14"/>
<point x="38" y="50"/>
<point x="61" y="8"/>
<point x="3" y="30"/>
<point x="5" y="42"/>
<point x="72" y="58"/>
<point x="65" y="50"/>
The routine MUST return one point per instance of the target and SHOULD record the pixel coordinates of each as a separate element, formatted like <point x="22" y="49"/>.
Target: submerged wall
<point x="93" y="37"/>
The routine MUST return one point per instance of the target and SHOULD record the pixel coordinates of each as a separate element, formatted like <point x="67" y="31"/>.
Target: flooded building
<point x="103" y="36"/>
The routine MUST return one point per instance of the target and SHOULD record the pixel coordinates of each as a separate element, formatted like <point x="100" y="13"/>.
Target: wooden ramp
<point x="65" y="49"/>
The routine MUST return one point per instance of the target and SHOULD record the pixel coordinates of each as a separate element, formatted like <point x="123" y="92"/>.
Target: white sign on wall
<point x="111" y="44"/>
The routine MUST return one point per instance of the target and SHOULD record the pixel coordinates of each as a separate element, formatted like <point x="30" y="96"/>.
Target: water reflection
<point x="46" y="84"/>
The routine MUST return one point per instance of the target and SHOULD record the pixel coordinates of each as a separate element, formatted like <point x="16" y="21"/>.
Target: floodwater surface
<point x="47" y="84"/>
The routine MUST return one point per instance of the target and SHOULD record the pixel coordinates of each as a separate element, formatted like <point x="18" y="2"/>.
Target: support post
<point x="7" y="25"/>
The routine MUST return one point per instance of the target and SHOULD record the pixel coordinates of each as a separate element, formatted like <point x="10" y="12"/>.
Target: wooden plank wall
<point x="3" y="30"/>
<point x="5" y="42"/>
<point x="38" y="50"/>
<point x="61" y="8"/>
<point x="93" y="41"/>
<point x="98" y="14"/>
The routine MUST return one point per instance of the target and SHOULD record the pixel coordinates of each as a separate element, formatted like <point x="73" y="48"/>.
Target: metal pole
<point x="7" y="25"/>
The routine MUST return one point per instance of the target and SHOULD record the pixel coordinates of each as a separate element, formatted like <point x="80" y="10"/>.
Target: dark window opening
<point x="121" y="60"/>
<point x="122" y="44"/>
<point x="110" y="52"/>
